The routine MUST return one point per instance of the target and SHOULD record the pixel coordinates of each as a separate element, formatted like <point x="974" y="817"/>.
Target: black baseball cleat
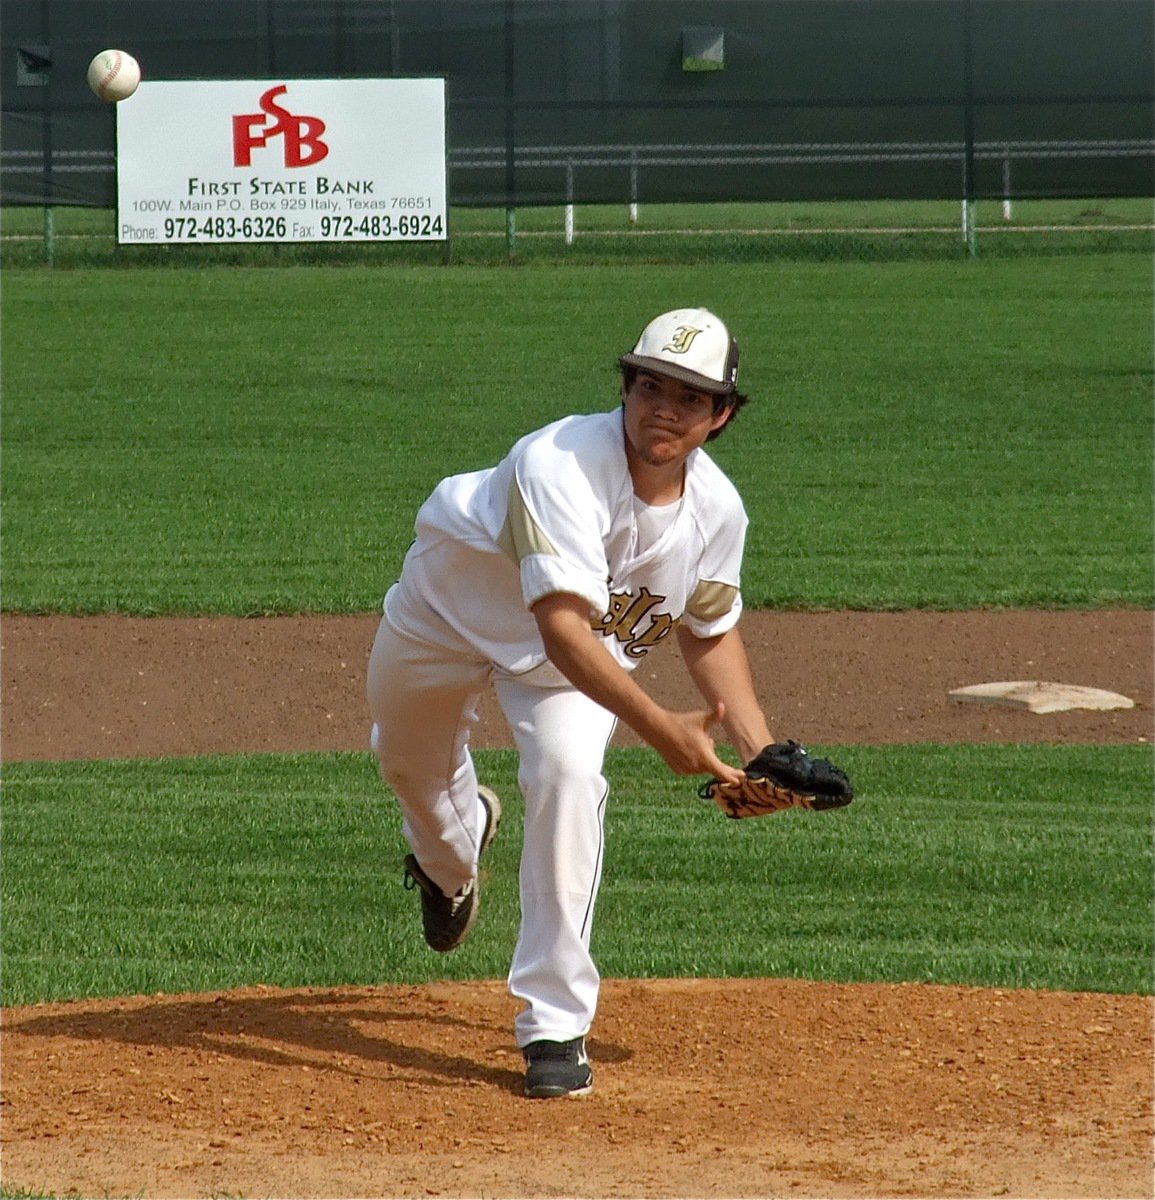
<point x="557" y="1069"/>
<point x="447" y="920"/>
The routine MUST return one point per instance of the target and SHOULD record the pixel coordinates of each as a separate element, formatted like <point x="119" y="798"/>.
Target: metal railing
<point x="637" y="157"/>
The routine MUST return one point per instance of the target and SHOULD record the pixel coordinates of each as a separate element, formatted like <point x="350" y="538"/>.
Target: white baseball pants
<point x="423" y="701"/>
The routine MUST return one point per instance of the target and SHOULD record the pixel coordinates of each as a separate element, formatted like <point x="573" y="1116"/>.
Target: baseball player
<point x="551" y="576"/>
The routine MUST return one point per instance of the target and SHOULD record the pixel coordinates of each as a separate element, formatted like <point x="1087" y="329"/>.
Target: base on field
<point x="1040" y="697"/>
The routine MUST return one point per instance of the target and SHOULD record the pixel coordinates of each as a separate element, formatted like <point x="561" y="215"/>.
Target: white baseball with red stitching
<point x="113" y="75"/>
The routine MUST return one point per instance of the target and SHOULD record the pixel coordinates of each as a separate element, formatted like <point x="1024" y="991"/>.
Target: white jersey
<point x="558" y="515"/>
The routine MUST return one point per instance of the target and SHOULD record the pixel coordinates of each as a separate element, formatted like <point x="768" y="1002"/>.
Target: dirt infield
<point x="704" y="1088"/>
<point x="738" y="1088"/>
<point x="103" y="687"/>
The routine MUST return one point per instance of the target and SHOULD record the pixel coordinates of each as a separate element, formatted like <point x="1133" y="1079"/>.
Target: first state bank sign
<point x="295" y="160"/>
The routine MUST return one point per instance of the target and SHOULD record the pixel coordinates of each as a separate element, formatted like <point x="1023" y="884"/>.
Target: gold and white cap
<point x="691" y="345"/>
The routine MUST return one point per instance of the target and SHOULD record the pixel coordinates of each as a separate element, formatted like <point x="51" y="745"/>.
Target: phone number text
<point x="254" y="228"/>
<point x="381" y="225"/>
<point x="334" y="228"/>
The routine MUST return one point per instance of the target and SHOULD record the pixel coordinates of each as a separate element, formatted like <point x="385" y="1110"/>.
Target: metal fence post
<point x="510" y="134"/>
<point x="511" y="231"/>
<point x="49" y="235"/>
<point x="969" y="130"/>
<point x="633" y="187"/>
<point x="569" y="202"/>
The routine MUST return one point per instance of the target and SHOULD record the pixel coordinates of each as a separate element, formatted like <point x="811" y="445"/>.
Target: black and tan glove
<point x="781" y="776"/>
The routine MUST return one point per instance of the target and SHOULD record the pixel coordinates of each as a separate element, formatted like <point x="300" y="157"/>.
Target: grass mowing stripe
<point x="931" y="434"/>
<point x="944" y="872"/>
<point x="999" y="865"/>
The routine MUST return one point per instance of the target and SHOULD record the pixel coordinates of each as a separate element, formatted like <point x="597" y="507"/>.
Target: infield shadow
<point x="297" y="1029"/>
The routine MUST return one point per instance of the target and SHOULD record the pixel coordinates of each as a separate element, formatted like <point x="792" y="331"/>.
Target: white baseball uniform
<point x="558" y="514"/>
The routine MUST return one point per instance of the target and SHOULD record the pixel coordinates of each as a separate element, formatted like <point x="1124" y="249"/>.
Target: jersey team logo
<point x="682" y="340"/>
<point x="625" y="619"/>
<point x="303" y="144"/>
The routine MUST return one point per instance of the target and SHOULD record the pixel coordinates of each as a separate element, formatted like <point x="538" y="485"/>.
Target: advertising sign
<point x="298" y="160"/>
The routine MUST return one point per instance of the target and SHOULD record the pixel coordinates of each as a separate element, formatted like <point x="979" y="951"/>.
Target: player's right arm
<point x="681" y="738"/>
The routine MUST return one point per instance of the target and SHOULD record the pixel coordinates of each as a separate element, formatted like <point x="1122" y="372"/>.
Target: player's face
<point x="666" y="420"/>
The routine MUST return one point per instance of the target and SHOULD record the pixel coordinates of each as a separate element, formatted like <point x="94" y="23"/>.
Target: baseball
<point x="113" y="75"/>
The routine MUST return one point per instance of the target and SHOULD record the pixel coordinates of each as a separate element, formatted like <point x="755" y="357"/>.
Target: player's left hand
<point x="781" y="776"/>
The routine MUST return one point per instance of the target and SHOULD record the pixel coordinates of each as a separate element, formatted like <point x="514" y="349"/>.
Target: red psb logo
<point x="302" y="135"/>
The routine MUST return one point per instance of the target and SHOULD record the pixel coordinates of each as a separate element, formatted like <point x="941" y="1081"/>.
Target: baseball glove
<point x="781" y="776"/>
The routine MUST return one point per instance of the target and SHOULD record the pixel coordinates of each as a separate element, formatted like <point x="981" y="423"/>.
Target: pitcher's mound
<point x="703" y="1088"/>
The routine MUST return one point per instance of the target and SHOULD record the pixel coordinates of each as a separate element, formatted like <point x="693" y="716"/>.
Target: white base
<point x="1040" y="697"/>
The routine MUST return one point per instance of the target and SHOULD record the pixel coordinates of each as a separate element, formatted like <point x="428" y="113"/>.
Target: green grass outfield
<point x="997" y="865"/>
<point x="922" y="434"/>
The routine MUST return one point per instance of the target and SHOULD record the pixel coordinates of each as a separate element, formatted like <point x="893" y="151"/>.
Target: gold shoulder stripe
<point x="711" y="600"/>
<point x="521" y="535"/>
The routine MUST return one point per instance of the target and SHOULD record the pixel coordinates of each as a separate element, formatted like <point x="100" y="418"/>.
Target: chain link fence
<point x="805" y="127"/>
<point x="659" y="233"/>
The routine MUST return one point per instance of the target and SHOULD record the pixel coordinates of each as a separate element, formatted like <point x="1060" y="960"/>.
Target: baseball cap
<point x="691" y="345"/>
